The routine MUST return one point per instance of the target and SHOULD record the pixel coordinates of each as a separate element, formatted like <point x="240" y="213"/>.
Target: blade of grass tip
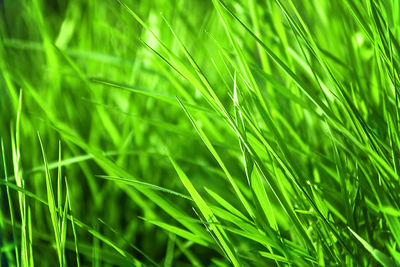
<point x="377" y="254"/>
<point x="211" y="148"/>
<point x="175" y="62"/>
<point x="258" y="189"/>
<point x="76" y="222"/>
<point x="244" y="67"/>
<point x="52" y="204"/>
<point x="207" y="213"/>
<point x="240" y="126"/>
<point x="10" y="205"/>
<point x="78" y="264"/>
<point x="186" y="74"/>
<point x="143" y="184"/>
<point x="153" y="94"/>
<point x="156" y="95"/>
<point x="178" y="231"/>
<point x="280" y="196"/>
<point x="65" y="162"/>
<point x="299" y="82"/>
<point x="194" y="65"/>
<point x="63" y="238"/>
<point x="62" y="214"/>
<point x="203" y="85"/>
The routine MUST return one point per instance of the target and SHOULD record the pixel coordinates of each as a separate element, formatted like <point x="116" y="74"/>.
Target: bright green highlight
<point x="199" y="133"/>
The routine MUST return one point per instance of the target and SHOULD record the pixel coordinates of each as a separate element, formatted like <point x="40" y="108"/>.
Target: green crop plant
<point x="199" y="133"/>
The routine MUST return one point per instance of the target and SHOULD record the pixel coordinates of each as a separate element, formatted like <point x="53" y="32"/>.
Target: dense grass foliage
<point x="200" y="133"/>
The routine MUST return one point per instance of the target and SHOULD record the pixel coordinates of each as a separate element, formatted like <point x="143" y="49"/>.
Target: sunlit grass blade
<point x="207" y="213"/>
<point x="10" y="205"/>
<point x="211" y="148"/>
<point x="67" y="197"/>
<point x="143" y="184"/>
<point x="179" y="232"/>
<point x="52" y="207"/>
<point x="378" y="255"/>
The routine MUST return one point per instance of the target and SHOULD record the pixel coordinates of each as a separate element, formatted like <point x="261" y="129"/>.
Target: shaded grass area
<point x="199" y="133"/>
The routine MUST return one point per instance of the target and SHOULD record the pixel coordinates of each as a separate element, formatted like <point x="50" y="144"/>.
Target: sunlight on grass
<point x="199" y="133"/>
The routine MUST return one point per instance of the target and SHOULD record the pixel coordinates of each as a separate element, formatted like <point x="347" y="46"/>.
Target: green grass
<point x="200" y="133"/>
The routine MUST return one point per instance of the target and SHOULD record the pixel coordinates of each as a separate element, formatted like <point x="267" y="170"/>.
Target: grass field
<point x="199" y="133"/>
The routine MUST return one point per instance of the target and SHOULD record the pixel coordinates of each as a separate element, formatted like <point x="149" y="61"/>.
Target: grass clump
<point x="199" y="133"/>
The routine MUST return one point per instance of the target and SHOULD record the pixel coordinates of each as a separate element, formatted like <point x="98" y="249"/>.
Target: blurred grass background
<point x="297" y="101"/>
